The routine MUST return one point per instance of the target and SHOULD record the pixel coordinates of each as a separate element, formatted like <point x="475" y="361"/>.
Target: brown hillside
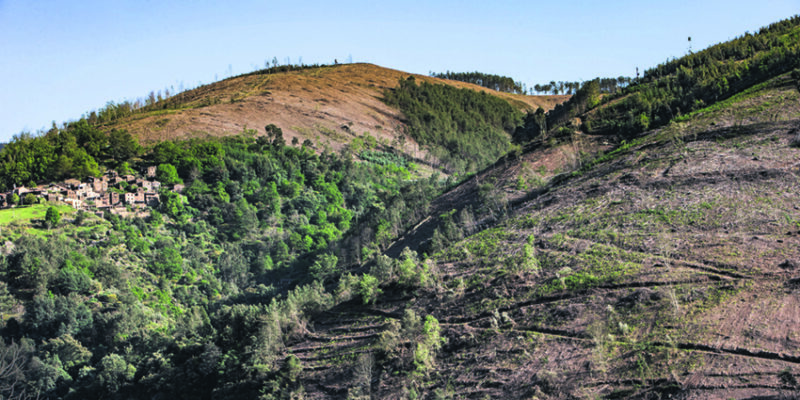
<point x="668" y="269"/>
<point x="327" y="105"/>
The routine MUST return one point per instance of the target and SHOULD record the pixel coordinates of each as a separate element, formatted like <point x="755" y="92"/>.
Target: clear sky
<point x="61" y="59"/>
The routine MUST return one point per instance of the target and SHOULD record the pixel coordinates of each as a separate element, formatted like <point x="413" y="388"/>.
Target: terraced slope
<point x="667" y="267"/>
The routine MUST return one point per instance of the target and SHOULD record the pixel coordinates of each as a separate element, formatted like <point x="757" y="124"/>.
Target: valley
<point x="352" y="232"/>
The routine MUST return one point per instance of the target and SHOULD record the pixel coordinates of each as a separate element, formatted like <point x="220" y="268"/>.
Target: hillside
<point x="327" y="105"/>
<point x="641" y="258"/>
<point x="661" y="266"/>
<point x="667" y="267"/>
<point x="448" y="127"/>
<point x="677" y="88"/>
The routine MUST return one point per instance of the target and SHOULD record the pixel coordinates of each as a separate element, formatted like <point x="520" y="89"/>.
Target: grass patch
<point x="485" y="245"/>
<point x="598" y="265"/>
<point x="28" y="219"/>
<point x="753" y="91"/>
<point x="24" y="214"/>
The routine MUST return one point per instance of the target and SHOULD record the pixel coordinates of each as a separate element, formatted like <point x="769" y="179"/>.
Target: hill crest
<point x="327" y="105"/>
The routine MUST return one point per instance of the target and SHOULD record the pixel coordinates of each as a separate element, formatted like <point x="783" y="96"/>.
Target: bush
<point x="348" y="286"/>
<point x="324" y="267"/>
<point x="52" y="217"/>
<point x="29" y="199"/>
<point x="368" y="289"/>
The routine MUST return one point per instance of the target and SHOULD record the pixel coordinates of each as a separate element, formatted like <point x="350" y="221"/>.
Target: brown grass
<point x="327" y="105"/>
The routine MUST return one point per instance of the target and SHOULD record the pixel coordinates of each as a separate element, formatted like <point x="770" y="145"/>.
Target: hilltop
<point x="371" y="112"/>
<point x="327" y="104"/>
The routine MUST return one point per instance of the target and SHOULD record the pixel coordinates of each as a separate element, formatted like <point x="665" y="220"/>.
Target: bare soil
<point x="671" y="270"/>
<point x="328" y="105"/>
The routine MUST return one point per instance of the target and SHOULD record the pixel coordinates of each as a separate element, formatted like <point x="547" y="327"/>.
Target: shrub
<point x="324" y="268"/>
<point x="348" y="284"/>
<point x="29" y="199"/>
<point x="52" y="217"/>
<point x="368" y="289"/>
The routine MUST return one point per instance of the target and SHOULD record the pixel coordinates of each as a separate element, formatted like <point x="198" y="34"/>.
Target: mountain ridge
<point x="309" y="103"/>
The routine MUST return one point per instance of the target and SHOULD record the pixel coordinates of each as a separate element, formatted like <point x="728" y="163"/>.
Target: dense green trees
<point x="75" y="151"/>
<point x="677" y="87"/>
<point x="167" y="174"/>
<point x="122" y="146"/>
<point x="194" y="301"/>
<point x="494" y="82"/>
<point x="466" y="129"/>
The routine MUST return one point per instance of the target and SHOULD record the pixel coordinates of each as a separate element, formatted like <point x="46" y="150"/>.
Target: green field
<point x="29" y="217"/>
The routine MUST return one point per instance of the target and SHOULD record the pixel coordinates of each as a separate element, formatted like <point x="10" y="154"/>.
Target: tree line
<point x="606" y="85"/>
<point x="677" y="87"/>
<point x="494" y="82"/>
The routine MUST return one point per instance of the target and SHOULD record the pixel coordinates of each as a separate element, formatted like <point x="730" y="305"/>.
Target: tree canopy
<point x="683" y="85"/>
<point x="494" y="82"/>
<point x="465" y="128"/>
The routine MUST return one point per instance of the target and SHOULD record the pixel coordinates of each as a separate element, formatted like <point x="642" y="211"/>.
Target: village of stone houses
<point x="134" y="195"/>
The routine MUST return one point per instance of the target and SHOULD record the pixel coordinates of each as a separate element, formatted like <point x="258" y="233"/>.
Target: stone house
<point x="72" y="183"/>
<point x="75" y="203"/>
<point x="100" y="185"/>
<point x="130" y="198"/>
<point x="112" y="198"/>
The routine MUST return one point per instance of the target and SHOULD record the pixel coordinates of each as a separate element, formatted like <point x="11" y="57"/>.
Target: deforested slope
<point x="665" y="267"/>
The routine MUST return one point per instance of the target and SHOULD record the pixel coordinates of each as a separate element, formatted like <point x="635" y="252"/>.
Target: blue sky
<point x="60" y="59"/>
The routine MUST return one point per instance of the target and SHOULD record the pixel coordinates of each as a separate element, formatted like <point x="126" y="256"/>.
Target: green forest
<point x="76" y="151"/>
<point x="197" y="300"/>
<point x="467" y="130"/>
<point x="677" y="87"/>
<point x="494" y="82"/>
